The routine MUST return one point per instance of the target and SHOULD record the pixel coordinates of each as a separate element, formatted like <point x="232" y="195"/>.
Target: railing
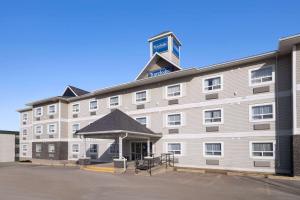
<point x="168" y="159"/>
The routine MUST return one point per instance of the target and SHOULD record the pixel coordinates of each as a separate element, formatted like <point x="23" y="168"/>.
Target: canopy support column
<point x="148" y="147"/>
<point x="120" y="147"/>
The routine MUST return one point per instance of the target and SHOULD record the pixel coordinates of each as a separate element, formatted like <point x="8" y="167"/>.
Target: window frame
<point x="35" y="112"/>
<point x="53" y="148"/>
<point x="93" y="100"/>
<point x="174" y="97"/>
<point x="55" y="109"/>
<point x="26" y="130"/>
<point x="36" y="148"/>
<point x="35" y="129"/>
<point x="97" y="150"/>
<point x="73" y="129"/>
<point x="109" y="148"/>
<point x="261" y="83"/>
<point x="25" y="114"/>
<point x="26" y="149"/>
<point x="141" y="102"/>
<point x="75" y="112"/>
<point x="55" y="129"/>
<point x="211" y="77"/>
<point x="114" y="106"/>
<point x="213" y="156"/>
<point x="147" y="120"/>
<point x="262" y="120"/>
<point x="213" y="123"/>
<point x="262" y="157"/>
<point x="182" y="120"/>
<point x="181" y="148"/>
<point x="72" y="150"/>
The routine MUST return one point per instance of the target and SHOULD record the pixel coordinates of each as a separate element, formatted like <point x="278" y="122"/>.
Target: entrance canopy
<point x="116" y="124"/>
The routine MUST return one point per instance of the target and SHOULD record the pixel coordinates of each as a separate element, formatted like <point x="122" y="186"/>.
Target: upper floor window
<point x="75" y="128"/>
<point x="51" y="128"/>
<point x="25" y="117"/>
<point x="75" y="148"/>
<point x="114" y="101"/>
<point x="38" y="129"/>
<point x="174" y="119"/>
<point x="24" y="133"/>
<point x="76" y="108"/>
<point x="38" y="112"/>
<point x="51" y="109"/>
<point x="213" y="116"/>
<point x="212" y="84"/>
<point x="93" y="105"/>
<point x="51" y="148"/>
<point x="174" y="148"/>
<point x="93" y="148"/>
<point x="38" y="148"/>
<point x="142" y="120"/>
<point x="213" y="149"/>
<point x="262" y="75"/>
<point x="262" y="112"/>
<point x="262" y="149"/>
<point x="24" y="147"/>
<point x="141" y="97"/>
<point x="174" y="91"/>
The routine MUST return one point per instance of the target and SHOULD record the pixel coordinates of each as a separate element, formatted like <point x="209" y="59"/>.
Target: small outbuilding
<point x="9" y="146"/>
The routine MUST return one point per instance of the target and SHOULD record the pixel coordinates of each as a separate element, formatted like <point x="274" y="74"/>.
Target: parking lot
<point x="29" y="182"/>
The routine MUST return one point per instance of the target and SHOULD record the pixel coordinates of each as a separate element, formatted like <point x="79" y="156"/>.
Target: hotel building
<point x="238" y="115"/>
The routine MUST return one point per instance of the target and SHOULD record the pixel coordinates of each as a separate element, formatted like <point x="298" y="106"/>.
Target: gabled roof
<point x="154" y="58"/>
<point x="72" y="91"/>
<point x="116" y="121"/>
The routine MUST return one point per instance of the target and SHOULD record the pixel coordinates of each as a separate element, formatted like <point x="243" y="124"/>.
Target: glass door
<point x="139" y="150"/>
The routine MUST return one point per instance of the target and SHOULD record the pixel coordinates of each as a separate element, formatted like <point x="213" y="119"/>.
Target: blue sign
<point x="160" y="45"/>
<point x="175" y="48"/>
<point x="160" y="71"/>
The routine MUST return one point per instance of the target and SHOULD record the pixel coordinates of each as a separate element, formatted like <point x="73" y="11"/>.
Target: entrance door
<point x="139" y="150"/>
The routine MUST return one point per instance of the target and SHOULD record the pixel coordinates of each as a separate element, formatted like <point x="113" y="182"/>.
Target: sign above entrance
<point x="160" y="71"/>
<point x="160" y="45"/>
<point x="175" y="48"/>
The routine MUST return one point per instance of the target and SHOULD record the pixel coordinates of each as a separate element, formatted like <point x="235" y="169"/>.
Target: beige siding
<point x="7" y="148"/>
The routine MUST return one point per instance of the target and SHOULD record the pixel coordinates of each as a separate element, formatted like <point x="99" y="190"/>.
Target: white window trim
<point x="263" y="157"/>
<point x="181" y="148"/>
<point x="141" y="102"/>
<point x="90" y="104"/>
<point x="108" y="146"/>
<point x="78" y="148"/>
<point x="213" y="156"/>
<point x="119" y="101"/>
<point x="55" y="129"/>
<point x="25" y="145"/>
<point x="76" y="112"/>
<point x="78" y="127"/>
<point x="54" y="148"/>
<point x="42" y="112"/>
<point x="213" y="123"/>
<point x="97" y="148"/>
<point x="55" y="109"/>
<point x="174" y="97"/>
<point x="148" y="121"/>
<point x="262" y="120"/>
<point x="210" y="77"/>
<point x="182" y="118"/>
<point x="25" y="129"/>
<point x="35" y="127"/>
<point x="36" y="148"/>
<point x="263" y="83"/>
<point x="25" y="120"/>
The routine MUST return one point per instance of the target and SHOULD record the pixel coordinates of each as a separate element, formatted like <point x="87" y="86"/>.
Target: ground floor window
<point x="262" y="149"/>
<point x="114" y="148"/>
<point x="174" y="148"/>
<point x="51" y="148"/>
<point x="93" y="148"/>
<point x="75" y="148"/>
<point x="38" y="148"/>
<point x="213" y="149"/>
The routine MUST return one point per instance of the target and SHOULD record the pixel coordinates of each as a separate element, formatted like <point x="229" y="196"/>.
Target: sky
<point x="47" y="45"/>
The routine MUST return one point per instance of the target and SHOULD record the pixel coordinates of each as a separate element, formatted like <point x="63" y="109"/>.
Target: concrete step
<point x="99" y="169"/>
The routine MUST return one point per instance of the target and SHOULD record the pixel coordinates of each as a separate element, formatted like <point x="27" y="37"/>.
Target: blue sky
<point x="46" y="45"/>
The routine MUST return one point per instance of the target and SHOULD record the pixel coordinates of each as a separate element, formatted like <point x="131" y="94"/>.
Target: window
<point x="25" y="117"/>
<point x="93" y="148"/>
<point x="114" y="101"/>
<point x="174" y="120"/>
<point x="24" y="147"/>
<point x="174" y="91"/>
<point x="114" y="148"/>
<point x="261" y="75"/>
<point x="142" y="120"/>
<point x="263" y="112"/>
<point x="213" y="149"/>
<point x="51" y="109"/>
<point x="38" y="112"/>
<point x="141" y="97"/>
<point x="25" y="133"/>
<point x="51" y="148"/>
<point x="51" y="128"/>
<point x="38" y="130"/>
<point x="213" y="116"/>
<point x="174" y="148"/>
<point x="75" y="148"/>
<point x="75" y="128"/>
<point x="76" y="108"/>
<point x="212" y="84"/>
<point x="93" y="105"/>
<point x="38" y="148"/>
<point x="262" y="149"/>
